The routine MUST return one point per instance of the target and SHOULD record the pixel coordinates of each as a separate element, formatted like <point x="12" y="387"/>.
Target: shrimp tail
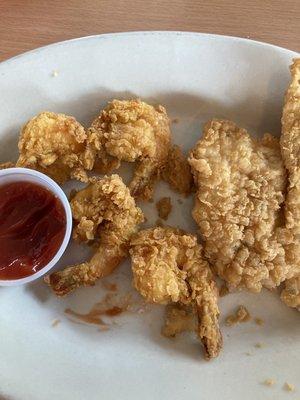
<point x="103" y="263"/>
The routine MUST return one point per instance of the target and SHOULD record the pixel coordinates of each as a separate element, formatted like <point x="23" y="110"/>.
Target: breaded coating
<point x="240" y="189"/>
<point x="7" y="164"/>
<point x="290" y="141"/>
<point x="103" y="210"/>
<point x="177" y="172"/>
<point x="291" y="292"/>
<point x="168" y="267"/>
<point x="131" y="130"/>
<point x="56" y="145"/>
<point x="290" y="147"/>
<point x="241" y="315"/>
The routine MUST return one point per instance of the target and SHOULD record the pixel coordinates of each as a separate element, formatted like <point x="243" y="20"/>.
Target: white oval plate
<point x="196" y="77"/>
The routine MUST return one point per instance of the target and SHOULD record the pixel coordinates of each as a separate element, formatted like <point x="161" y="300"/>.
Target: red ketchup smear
<point x="32" y="228"/>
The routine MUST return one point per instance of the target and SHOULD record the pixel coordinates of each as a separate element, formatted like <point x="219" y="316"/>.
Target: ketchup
<point x="32" y="228"/>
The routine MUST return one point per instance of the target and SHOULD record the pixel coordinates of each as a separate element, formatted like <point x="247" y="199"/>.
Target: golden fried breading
<point x="168" y="267"/>
<point x="131" y="130"/>
<point x="290" y="141"/>
<point x="240" y="189"/>
<point x="177" y="172"/>
<point x="104" y="210"/>
<point x="241" y="315"/>
<point x="290" y="147"/>
<point x="291" y="292"/>
<point x="7" y="164"/>
<point x="56" y="145"/>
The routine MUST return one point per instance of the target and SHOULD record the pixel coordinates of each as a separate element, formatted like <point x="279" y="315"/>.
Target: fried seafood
<point x="131" y="130"/>
<point x="240" y="189"/>
<point x="291" y="292"/>
<point x="290" y="147"/>
<point x="168" y="267"/>
<point x="104" y="210"/>
<point x="56" y="145"/>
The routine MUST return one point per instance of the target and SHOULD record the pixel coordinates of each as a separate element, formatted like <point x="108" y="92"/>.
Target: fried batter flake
<point x="177" y="172"/>
<point x="164" y="207"/>
<point x="240" y="315"/>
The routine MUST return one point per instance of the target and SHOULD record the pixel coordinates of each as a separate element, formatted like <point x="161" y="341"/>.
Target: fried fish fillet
<point x="290" y="147"/>
<point x="240" y="191"/>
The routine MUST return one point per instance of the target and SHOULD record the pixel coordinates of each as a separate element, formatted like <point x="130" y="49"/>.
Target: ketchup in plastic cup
<point x="35" y="225"/>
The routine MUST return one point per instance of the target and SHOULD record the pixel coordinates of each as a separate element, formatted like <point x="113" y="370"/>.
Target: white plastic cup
<point x="11" y="175"/>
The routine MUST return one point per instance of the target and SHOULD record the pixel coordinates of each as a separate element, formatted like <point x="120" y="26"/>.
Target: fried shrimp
<point x="290" y="148"/>
<point x="56" y="145"/>
<point x="167" y="268"/>
<point x="240" y="190"/>
<point x="131" y="130"/>
<point x="104" y="210"/>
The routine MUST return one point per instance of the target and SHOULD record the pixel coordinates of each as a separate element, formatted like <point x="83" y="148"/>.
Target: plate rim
<point x="116" y="35"/>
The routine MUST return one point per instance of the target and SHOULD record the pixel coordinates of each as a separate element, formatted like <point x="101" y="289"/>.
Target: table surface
<point x="27" y="24"/>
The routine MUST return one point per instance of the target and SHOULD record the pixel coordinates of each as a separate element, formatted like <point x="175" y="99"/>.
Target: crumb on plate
<point x="289" y="387"/>
<point x="269" y="382"/>
<point x="223" y="291"/>
<point x="258" y="345"/>
<point x="55" y="322"/>
<point x="164" y="207"/>
<point x="259" y="321"/>
<point x="241" y="315"/>
<point x="177" y="172"/>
